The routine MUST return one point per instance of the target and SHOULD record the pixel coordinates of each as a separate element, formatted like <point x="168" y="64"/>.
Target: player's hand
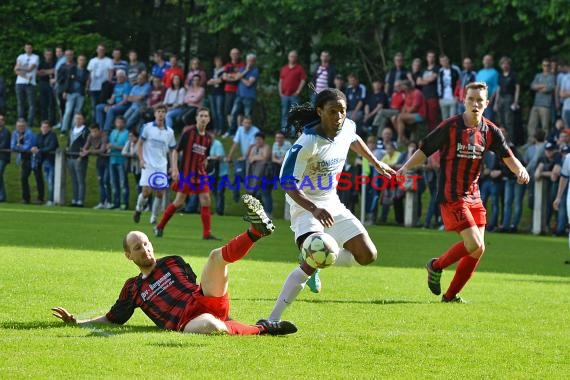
<point x="522" y="176"/>
<point x="556" y="204"/>
<point x="175" y="175"/>
<point x="384" y="169"/>
<point x="64" y="315"/>
<point x="142" y="164"/>
<point x="323" y="216"/>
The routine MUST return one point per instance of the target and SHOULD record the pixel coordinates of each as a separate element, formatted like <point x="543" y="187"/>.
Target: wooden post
<point x="59" y="178"/>
<point x="538" y="214"/>
<point x="411" y="208"/>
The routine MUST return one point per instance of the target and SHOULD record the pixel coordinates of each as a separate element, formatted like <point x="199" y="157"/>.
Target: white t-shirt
<point x="25" y="61"/>
<point x="314" y="162"/>
<point x="447" y="90"/>
<point x="157" y="144"/>
<point x="99" y="72"/>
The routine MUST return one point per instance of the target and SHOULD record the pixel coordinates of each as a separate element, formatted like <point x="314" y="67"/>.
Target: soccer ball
<point x="320" y="250"/>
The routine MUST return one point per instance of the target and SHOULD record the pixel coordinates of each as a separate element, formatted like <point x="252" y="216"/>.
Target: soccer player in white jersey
<point x="562" y="185"/>
<point x="309" y="177"/>
<point x="153" y="150"/>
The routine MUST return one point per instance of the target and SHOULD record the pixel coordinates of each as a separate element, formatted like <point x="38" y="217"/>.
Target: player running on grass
<point x="190" y="177"/>
<point x="318" y="157"/>
<point x="155" y="142"/>
<point x="167" y="292"/>
<point x="462" y="140"/>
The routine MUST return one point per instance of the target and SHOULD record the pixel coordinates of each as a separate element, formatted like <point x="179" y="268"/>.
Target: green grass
<point x="374" y="322"/>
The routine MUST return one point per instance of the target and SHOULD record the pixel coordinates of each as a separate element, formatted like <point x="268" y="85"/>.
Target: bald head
<point x="132" y="237"/>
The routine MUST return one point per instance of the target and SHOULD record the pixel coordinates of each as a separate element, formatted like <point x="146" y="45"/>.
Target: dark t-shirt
<point x="45" y="66"/>
<point x="430" y="90"/>
<point x="507" y="84"/>
<point x="548" y="164"/>
<point x="374" y="99"/>
<point x="461" y="151"/>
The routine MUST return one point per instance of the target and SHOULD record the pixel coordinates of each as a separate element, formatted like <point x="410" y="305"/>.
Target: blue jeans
<point x="514" y="193"/>
<point x="94" y="95"/>
<point x="372" y="196"/>
<point x="241" y="105"/>
<point x="490" y="189"/>
<point x="132" y="116"/>
<point x="103" y="179"/>
<point x="105" y="120"/>
<point x="119" y="184"/>
<point x="239" y="172"/>
<point x="286" y="103"/>
<point x="49" y="174"/>
<point x="73" y="105"/>
<point x="566" y="118"/>
<point x="217" y="107"/>
<point x="173" y="114"/>
<point x="218" y="191"/>
<point x="26" y="92"/>
<point x="77" y="171"/>
<point x="2" y="186"/>
<point x="47" y="102"/>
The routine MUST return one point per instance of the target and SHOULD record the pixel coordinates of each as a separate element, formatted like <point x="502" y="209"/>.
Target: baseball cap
<point x="564" y="149"/>
<point x="550" y="146"/>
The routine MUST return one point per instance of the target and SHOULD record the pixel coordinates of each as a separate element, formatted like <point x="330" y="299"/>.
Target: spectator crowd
<point x="391" y="114"/>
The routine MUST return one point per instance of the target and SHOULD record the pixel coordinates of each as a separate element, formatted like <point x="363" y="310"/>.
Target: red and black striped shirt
<point x="461" y="150"/>
<point x="162" y="296"/>
<point x="195" y="149"/>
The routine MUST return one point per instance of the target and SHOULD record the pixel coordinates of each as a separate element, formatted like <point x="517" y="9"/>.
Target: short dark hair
<point x="260" y="134"/>
<point x="120" y="117"/>
<point x="94" y="126"/>
<point x="200" y="109"/>
<point x="161" y="107"/>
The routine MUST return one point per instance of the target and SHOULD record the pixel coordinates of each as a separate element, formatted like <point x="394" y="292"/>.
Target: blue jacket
<point x="22" y="143"/>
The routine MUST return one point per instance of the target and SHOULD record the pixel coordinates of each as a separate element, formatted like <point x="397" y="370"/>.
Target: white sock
<point x="157" y="207"/>
<point x="141" y="203"/>
<point x="345" y="259"/>
<point x="293" y="285"/>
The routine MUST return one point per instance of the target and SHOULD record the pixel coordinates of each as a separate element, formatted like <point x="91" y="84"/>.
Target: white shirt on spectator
<point x="99" y="72"/>
<point x="245" y="139"/>
<point x="25" y="61"/>
<point x="565" y="86"/>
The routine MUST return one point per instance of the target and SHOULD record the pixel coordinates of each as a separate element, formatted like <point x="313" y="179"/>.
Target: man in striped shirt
<point x="189" y="176"/>
<point x="167" y="291"/>
<point x="461" y="142"/>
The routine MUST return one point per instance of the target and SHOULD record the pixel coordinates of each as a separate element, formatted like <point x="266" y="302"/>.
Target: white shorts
<point x="345" y="227"/>
<point x="155" y="178"/>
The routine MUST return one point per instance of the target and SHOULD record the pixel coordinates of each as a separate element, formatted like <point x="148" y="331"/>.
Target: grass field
<point x="373" y="322"/>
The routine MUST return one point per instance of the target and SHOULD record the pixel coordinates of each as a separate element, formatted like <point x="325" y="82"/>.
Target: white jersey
<point x="314" y="162"/>
<point x="157" y="144"/>
<point x="25" y="62"/>
<point x="98" y="72"/>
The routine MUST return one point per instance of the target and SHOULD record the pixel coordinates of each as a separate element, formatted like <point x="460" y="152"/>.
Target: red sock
<point x="238" y="328"/>
<point x="237" y="248"/>
<point x="463" y="273"/>
<point x="453" y="254"/>
<point x="206" y="221"/>
<point x="170" y="210"/>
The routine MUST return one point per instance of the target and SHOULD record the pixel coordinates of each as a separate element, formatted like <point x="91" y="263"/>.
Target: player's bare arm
<point x="517" y="168"/>
<point x="359" y="146"/>
<point x="67" y="317"/>
<point x="140" y="153"/>
<point x="320" y="214"/>
<point x="174" y="174"/>
<point x="417" y="159"/>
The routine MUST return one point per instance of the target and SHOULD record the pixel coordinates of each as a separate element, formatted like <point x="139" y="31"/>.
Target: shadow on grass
<point x="543" y="281"/>
<point x="325" y="301"/>
<point x="96" y="329"/>
<point x="176" y="345"/>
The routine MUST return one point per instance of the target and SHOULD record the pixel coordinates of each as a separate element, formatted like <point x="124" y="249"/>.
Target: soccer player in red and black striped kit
<point x="190" y="176"/>
<point x="167" y="292"/>
<point x="462" y="141"/>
